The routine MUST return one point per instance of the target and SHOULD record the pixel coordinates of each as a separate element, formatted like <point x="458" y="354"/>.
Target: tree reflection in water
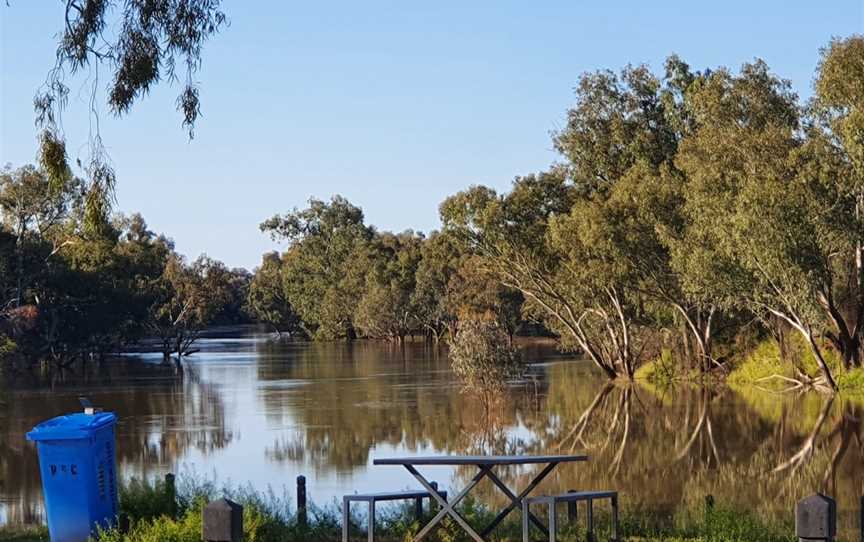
<point x="668" y="450"/>
<point x="325" y="408"/>
<point x="162" y="417"/>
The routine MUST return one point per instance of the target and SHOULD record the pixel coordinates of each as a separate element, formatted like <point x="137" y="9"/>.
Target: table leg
<point x="346" y="518"/>
<point x="553" y="521"/>
<point x="516" y="500"/>
<point x="448" y="508"/>
<point x="371" y="532"/>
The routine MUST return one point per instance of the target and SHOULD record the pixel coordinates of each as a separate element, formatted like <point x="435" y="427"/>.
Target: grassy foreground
<point x="158" y="515"/>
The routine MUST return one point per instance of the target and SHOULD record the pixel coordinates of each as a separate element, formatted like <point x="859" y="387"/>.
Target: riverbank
<point x="157" y="514"/>
<point x="761" y="367"/>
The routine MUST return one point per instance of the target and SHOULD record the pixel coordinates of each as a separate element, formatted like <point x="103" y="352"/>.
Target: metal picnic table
<point x="485" y="469"/>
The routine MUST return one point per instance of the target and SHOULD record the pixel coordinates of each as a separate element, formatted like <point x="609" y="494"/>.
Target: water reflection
<point x="162" y="417"/>
<point x="264" y="411"/>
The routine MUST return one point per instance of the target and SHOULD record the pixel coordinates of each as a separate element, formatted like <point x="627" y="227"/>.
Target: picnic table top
<point x="480" y="460"/>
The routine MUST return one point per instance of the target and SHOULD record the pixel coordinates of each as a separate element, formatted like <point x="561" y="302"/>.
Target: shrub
<point x="483" y="358"/>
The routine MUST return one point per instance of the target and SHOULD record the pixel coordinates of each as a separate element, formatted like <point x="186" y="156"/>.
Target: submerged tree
<point x="191" y="296"/>
<point x="531" y="250"/>
<point x="432" y="297"/>
<point x="385" y="309"/>
<point x="323" y="270"/>
<point x="267" y="301"/>
<point x="484" y="360"/>
<point x="590" y="243"/>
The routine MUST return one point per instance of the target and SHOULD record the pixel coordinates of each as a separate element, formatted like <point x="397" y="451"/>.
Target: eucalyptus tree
<point x="588" y="243"/>
<point x="620" y="143"/>
<point x="456" y="284"/>
<point x="758" y="236"/>
<point x="34" y="210"/>
<point x="521" y="238"/>
<point x="94" y="297"/>
<point x="528" y="240"/>
<point x="440" y="258"/>
<point x="323" y="273"/>
<point x="385" y="309"/>
<point x="267" y="301"/>
<point x="835" y="149"/>
<point x="191" y="297"/>
<point x="140" y="44"/>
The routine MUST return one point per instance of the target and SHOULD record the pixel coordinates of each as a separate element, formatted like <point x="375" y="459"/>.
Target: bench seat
<point x="392" y="496"/>
<point x="372" y="498"/>
<point x="572" y="498"/>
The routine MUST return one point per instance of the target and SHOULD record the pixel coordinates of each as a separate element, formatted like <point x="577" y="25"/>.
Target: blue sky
<point x="395" y="105"/>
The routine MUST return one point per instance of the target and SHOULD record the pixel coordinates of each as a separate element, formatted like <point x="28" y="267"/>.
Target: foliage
<point x="190" y="298"/>
<point x="24" y="534"/>
<point x="70" y="291"/>
<point x="587" y="242"/>
<point x="763" y="366"/>
<point x="142" y="48"/>
<point x="141" y="500"/>
<point x="683" y="202"/>
<point x="659" y="372"/>
<point x="141" y="43"/>
<point x="385" y="309"/>
<point x="344" y="279"/>
<point x="322" y="268"/>
<point x="482" y="357"/>
<point x="266" y="300"/>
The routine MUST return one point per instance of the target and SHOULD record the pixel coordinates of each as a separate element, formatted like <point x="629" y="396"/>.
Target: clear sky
<point x="394" y="105"/>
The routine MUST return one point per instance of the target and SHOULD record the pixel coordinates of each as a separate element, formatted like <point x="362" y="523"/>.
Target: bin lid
<point x="71" y="426"/>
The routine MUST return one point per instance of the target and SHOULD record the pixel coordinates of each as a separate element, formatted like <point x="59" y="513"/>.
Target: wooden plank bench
<point x="372" y="498"/>
<point x="571" y="498"/>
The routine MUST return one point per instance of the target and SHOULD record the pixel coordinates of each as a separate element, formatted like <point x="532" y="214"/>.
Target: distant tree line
<point x="686" y="208"/>
<point x="72" y="288"/>
<point x="342" y="279"/>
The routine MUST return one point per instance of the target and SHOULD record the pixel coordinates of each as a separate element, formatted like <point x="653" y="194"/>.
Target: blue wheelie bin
<point x="79" y="473"/>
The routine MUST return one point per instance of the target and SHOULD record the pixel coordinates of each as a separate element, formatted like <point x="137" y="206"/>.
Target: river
<point x="250" y="409"/>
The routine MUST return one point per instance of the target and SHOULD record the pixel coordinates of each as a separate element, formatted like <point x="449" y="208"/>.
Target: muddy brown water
<point x="250" y="409"/>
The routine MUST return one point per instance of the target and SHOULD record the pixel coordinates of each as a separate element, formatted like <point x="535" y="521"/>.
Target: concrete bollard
<point x="816" y="519"/>
<point x="301" y="501"/>
<point x="222" y="522"/>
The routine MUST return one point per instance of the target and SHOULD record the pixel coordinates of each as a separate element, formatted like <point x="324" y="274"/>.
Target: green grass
<point x="851" y="382"/>
<point x="661" y="372"/>
<point x="24" y="534"/>
<point x="760" y="364"/>
<point x="763" y="362"/>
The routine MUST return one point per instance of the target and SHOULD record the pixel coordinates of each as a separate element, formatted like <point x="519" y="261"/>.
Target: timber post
<point x="302" y="518"/>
